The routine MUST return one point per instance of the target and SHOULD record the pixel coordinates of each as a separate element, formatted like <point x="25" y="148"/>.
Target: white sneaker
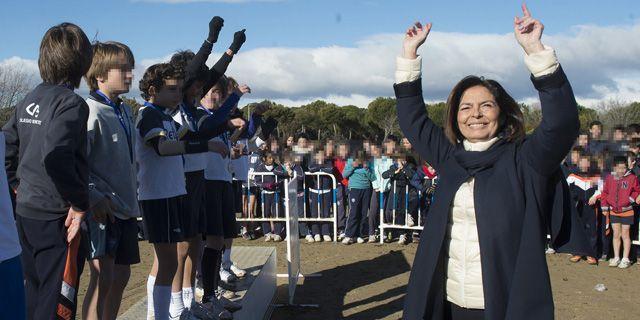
<point x="614" y="262"/>
<point x="410" y="221"/>
<point x="550" y="251"/>
<point x="341" y="236"/>
<point x="348" y="241"/>
<point x="309" y="239"/>
<point x="327" y="238"/>
<point x="317" y="238"/>
<point x="228" y="304"/>
<point x="226" y="276"/>
<point x="402" y="239"/>
<point x="372" y="239"/>
<point x="624" y="263"/>
<point x="268" y="237"/>
<point x="360" y="240"/>
<point x="277" y="238"/>
<point x="238" y="272"/>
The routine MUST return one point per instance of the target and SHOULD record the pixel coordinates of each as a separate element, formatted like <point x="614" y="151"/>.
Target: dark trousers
<point x="303" y="227"/>
<point x="12" y="298"/>
<point x="454" y="312"/>
<point x="273" y="208"/>
<point x="604" y="241"/>
<point x="342" y="206"/>
<point x="359" y="200"/>
<point x="44" y="253"/>
<point x="374" y="211"/>
<point x="323" y="200"/>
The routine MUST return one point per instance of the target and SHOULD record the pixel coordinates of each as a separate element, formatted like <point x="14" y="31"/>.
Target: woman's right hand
<point x="415" y="36"/>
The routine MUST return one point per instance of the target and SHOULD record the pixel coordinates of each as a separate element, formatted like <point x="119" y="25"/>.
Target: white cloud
<point x="601" y="63"/>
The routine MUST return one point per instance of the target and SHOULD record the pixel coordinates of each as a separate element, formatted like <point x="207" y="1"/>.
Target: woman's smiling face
<point x="478" y="114"/>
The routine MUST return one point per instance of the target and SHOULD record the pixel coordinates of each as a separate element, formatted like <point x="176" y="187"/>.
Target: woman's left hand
<point x="528" y="32"/>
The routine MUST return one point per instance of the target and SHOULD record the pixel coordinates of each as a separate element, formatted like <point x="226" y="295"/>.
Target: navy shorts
<point x="118" y="239"/>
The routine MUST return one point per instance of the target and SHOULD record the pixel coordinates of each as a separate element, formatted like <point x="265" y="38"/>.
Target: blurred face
<point x="343" y="151"/>
<point x="303" y="143"/>
<point x="170" y="95"/>
<point x="478" y="114"/>
<point x="375" y="151"/>
<point x="389" y="147"/>
<point x="290" y="141"/>
<point x="274" y="146"/>
<point x="319" y="157"/>
<point x="118" y="79"/>
<point x="268" y="160"/>
<point x="406" y="144"/>
<point x="329" y="148"/>
<point x="596" y="131"/>
<point x="213" y="99"/>
<point x="618" y="135"/>
<point x="583" y="140"/>
<point x="620" y="169"/>
<point x="584" y="164"/>
<point x="575" y="157"/>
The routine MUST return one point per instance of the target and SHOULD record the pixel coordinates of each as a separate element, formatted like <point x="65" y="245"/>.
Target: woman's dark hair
<point x="511" y="119"/>
<point x="65" y="55"/>
<point x="155" y="76"/>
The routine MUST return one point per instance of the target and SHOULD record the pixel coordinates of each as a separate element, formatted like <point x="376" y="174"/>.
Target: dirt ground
<point x="368" y="281"/>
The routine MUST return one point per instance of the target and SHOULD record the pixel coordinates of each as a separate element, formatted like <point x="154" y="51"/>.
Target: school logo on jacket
<point x="34" y="111"/>
<point x="625" y="185"/>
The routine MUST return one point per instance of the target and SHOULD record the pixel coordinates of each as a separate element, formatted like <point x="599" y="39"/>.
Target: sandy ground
<point x="368" y="281"/>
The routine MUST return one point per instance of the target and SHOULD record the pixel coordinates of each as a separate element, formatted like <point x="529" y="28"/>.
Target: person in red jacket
<point x="621" y="190"/>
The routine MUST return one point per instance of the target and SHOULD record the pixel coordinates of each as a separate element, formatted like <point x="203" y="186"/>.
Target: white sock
<point x="176" y="306"/>
<point x="151" y="280"/>
<point x="161" y="301"/>
<point x="187" y="297"/>
<point x="226" y="258"/>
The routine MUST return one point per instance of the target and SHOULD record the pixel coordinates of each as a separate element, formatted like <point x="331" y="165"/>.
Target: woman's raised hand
<point x="528" y="31"/>
<point x="414" y="38"/>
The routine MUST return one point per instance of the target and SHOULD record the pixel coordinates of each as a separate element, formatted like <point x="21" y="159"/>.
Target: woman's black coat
<point x="513" y="199"/>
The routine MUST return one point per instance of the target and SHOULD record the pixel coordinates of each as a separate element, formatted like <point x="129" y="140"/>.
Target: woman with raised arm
<point x="481" y="254"/>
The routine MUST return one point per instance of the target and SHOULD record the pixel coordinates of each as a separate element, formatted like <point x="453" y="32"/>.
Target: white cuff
<point x="542" y="63"/>
<point x="408" y="70"/>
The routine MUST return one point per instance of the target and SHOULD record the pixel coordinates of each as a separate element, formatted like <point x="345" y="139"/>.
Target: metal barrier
<point x="281" y="217"/>
<point x="417" y="225"/>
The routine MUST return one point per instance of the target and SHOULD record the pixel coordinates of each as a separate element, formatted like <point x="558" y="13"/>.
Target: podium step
<point x="255" y="292"/>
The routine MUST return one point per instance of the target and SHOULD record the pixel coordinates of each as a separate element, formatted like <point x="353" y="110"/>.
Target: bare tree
<point x="616" y="112"/>
<point x="15" y="83"/>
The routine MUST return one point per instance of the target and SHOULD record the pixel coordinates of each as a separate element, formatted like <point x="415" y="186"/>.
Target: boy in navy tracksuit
<point x="272" y="196"/>
<point x="46" y="161"/>
<point x="360" y="177"/>
<point x="320" y="196"/>
<point x="583" y="186"/>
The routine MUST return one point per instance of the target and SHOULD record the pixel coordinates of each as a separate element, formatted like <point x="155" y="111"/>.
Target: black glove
<point x="215" y="25"/>
<point x="238" y="39"/>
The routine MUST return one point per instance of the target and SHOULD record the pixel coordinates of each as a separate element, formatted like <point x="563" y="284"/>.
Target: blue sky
<point x="152" y="28"/>
<point x="282" y="33"/>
